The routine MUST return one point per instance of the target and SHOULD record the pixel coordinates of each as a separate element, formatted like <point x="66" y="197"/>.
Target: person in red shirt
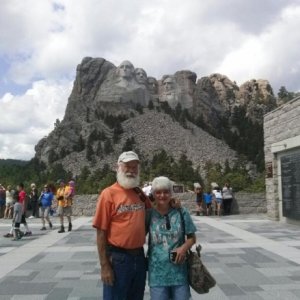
<point x="22" y="200"/>
<point x="120" y="224"/>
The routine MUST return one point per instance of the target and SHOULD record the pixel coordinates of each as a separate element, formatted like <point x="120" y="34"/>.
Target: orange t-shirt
<point x="121" y="213"/>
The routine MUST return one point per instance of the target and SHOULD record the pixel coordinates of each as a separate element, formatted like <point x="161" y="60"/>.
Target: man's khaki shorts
<point x="64" y="211"/>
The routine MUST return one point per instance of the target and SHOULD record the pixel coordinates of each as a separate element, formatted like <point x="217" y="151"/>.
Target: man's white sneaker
<point x="31" y="217"/>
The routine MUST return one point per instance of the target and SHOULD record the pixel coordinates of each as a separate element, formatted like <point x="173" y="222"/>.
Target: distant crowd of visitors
<point x="16" y="203"/>
<point x="214" y="200"/>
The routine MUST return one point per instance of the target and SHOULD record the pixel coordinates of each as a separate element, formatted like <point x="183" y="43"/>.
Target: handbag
<point x="199" y="278"/>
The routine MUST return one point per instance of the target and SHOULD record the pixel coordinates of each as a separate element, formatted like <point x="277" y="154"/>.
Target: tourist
<point x="227" y="198"/>
<point x="168" y="277"/>
<point x="15" y="199"/>
<point x="64" y="205"/>
<point x="8" y="214"/>
<point x="20" y="196"/>
<point x="199" y="198"/>
<point x="71" y="185"/>
<point x="23" y="200"/>
<point x="120" y="224"/>
<point x="45" y="202"/>
<point x="217" y="195"/>
<point x="33" y="196"/>
<point x="17" y="219"/>
<point x="147" y="189"/>
<point x="2" y="201"/>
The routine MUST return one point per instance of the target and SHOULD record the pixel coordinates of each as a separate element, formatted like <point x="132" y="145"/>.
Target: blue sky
<point x="42" y="42"/>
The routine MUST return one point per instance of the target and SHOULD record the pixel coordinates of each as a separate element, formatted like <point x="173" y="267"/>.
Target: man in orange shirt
<point x="120" y="224"/>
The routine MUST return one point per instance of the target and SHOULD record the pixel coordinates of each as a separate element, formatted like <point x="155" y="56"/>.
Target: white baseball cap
<point x="128" y="156"/>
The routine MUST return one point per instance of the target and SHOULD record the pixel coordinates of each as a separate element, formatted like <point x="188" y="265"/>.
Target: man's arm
<point x="107" y="275"/>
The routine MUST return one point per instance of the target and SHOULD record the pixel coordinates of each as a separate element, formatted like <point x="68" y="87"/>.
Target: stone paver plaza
<point x="251" y="258"/>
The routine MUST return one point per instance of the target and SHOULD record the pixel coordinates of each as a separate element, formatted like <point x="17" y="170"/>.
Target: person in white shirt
<point x="9" y="203"/>
<point x="227" y="198"/>
<point x="147" y="189"/>
<point x="217" y="193"/>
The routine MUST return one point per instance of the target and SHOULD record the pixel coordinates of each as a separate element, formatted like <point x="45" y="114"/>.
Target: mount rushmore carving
<point x="102" y="90"/>
<point x="126" y="83"/>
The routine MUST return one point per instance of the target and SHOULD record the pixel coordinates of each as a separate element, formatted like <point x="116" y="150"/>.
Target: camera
<point x="60" y="198"/>
<point x="172" y="255"/>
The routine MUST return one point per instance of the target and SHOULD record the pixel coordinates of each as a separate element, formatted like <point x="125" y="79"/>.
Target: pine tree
<point x="108" y="148"/>
<point x="89" y="152"/>
<point x="129" y="144"/>
<point x="99" y="150"/>
<point x="80" y="145"/>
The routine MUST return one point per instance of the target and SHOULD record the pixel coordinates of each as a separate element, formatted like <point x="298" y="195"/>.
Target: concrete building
<point x="282" y="158"/>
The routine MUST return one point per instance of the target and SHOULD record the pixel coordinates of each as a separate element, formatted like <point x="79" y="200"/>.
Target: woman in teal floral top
<point x="168" y="277"/>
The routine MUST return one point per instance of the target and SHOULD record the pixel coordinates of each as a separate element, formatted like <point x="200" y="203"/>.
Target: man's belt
<point x="135" y="251"/>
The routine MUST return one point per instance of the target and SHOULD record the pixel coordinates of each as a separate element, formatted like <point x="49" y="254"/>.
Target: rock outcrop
<point x="110" y="105"/>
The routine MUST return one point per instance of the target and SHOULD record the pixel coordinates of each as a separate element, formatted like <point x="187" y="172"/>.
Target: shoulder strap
<point x="140" y="193"/>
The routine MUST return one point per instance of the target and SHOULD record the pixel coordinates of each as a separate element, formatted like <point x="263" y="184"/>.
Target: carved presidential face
<point x="152" y="85"/>
<point x="140" y="75"/>
<point x="168" y="84"/>
<point x="126" y="69"/>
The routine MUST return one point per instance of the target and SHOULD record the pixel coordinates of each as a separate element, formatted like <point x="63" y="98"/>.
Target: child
<point x="18" y="208"/>
<point x="208" y="201"/>
<point x="72" y="189"/>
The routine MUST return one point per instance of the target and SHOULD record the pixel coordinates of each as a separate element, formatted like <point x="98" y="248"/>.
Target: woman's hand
<point x="181" y="251"/>
<point x="180" y="255"/>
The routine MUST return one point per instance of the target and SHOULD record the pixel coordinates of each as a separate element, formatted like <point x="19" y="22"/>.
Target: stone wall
<point x="84" y="205"/>
<point x="281" y="134"/>
<point x="245" y="203"/>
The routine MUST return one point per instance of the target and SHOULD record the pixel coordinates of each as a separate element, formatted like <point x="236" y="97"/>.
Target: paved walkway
<point x="251" y="258"/>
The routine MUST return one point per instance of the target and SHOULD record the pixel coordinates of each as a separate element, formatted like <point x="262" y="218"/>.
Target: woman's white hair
<point x="162" y="183"/>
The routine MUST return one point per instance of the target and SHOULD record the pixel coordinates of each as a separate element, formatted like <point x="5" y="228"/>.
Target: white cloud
<point x="273" y="55"/>
<point x="46" y="40"/>
<point x="26" y="119"/>
<point x="230" y="37"/>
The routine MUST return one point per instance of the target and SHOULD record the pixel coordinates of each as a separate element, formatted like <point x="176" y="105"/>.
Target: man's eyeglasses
<point x="168" y="225"/>
<point x="45" y="187"/>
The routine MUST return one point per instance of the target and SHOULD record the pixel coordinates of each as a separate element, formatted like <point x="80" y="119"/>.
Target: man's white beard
<point x="127" y="181"/>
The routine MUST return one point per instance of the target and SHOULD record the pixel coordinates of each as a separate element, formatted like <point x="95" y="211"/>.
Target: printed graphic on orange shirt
<point x="130" y="207"/>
